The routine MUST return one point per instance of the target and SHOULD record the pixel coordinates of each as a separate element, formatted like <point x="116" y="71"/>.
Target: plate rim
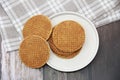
<point x="97" y="38"/>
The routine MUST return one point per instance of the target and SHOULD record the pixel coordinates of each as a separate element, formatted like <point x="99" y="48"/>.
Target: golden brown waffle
<point x="68" y="56"/>
<point x="62" y="54"/>
<point x="68" y="36"/>
<point x="34" y="51"/>
<point x="38" y="25"/>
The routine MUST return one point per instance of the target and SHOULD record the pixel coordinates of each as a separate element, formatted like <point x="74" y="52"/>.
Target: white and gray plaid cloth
<point x="16" y="12"/>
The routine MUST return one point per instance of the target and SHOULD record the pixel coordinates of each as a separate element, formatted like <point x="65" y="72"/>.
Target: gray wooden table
<point x="105" y="66"/>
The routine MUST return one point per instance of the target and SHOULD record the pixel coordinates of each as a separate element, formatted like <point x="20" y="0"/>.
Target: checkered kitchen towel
<point x="9" y="34"/>
<point x="17" y="12"/>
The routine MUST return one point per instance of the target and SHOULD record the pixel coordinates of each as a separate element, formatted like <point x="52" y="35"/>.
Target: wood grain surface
<point x="105" y="66"/>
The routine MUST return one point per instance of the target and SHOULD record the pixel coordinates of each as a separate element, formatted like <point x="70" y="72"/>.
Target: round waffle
<point x="62" y="54"/>
<point x="34" y="51"/>
<point x="68" y="36"/>
<point x="38" y="25"/>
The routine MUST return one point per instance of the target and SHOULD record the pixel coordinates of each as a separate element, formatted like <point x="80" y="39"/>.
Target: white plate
<point x="88" y="51"/>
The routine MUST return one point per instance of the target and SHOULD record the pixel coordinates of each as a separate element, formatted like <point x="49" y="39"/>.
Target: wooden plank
<point x="106" y="65"/>
<point x="52" y="74"/>
<point x="80" y="75"/>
